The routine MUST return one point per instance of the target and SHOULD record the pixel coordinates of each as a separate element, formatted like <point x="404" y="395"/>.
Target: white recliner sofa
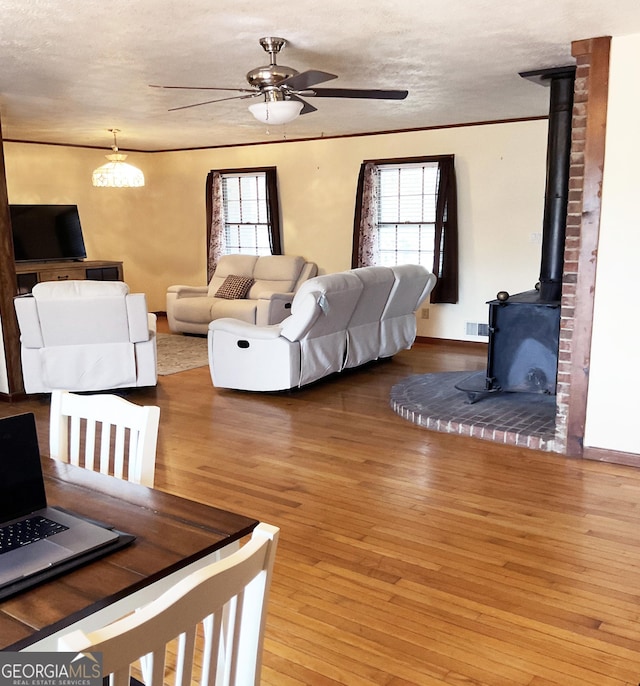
<point x="337" y="321"/>
<point x="86" y="336"/>
<point x="411" y="285"/>
<point x="253" y="289"/>
<point x="363" y="330"/>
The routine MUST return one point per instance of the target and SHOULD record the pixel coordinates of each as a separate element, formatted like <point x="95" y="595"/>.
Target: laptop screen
<point x="21" y="483"/>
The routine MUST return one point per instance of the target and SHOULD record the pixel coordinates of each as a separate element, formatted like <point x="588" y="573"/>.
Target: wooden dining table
<point x="173" y="536"/>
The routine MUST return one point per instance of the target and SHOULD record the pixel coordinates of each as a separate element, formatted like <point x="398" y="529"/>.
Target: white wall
<point x="614" y="380"/>
<point x="500" y="170"/>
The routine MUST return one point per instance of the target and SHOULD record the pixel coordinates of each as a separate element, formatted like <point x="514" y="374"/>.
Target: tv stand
<point x="28" y="274"/>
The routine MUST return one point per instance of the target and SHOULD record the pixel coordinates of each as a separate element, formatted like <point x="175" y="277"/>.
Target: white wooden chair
<point x="228" y="598"/>
<point x="81" y="429"/>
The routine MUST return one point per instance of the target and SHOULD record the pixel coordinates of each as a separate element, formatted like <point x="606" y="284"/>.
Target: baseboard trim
<point x="452" y="343"/>
<point x="614" y="456"/>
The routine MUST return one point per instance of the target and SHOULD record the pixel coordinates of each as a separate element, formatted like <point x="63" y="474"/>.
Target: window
<point x="406" y="213"/>
<point x="243" y="214"/>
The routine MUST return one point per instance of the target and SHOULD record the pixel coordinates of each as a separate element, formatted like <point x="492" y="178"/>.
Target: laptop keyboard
<point x="27" y="531"/>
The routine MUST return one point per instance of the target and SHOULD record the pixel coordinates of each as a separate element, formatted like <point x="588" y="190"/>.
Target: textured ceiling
<point x="71" y="69"/>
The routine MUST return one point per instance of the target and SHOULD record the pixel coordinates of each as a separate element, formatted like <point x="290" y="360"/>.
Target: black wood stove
<point x="523" y="344"/>
<point x="524" y="328"/>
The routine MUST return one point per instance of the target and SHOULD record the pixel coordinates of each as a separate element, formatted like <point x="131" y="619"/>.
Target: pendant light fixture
<point x="116" y="173"/>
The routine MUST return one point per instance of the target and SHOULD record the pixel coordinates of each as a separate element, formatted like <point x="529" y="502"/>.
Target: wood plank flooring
<point x="406" y="556"/>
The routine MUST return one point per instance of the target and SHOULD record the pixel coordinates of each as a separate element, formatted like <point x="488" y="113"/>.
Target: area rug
<point x="178" y="353"/>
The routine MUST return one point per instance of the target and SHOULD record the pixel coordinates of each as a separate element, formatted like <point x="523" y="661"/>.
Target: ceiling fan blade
<point x="356" y="93"/>
<point x="306" y="79"/>
<point x="208" y="102"/>
<point x="307" y="108"/>
<point x="205" y="88"/>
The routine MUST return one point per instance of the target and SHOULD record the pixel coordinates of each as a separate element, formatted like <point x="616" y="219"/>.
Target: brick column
<point x="581" y="246"/>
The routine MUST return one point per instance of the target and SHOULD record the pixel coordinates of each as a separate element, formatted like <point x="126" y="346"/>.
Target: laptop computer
<point x="60" y="539"/>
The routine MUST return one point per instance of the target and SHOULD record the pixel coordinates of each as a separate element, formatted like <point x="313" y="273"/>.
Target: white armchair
<point x="85" y="336"/>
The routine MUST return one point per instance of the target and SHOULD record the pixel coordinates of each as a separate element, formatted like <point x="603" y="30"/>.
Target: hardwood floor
<point x="406" y="556"/>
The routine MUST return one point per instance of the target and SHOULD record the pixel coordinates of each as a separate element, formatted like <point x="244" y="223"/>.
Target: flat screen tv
<point x="43" y="233"/>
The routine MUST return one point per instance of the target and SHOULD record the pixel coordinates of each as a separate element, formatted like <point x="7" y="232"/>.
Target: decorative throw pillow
<point x="234" y="287"/>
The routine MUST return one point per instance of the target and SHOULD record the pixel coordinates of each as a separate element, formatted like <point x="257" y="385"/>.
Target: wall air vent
<point x="477" y="329"/>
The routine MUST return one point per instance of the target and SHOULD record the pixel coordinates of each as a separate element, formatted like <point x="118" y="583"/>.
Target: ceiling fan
<point x="283" y="89"/>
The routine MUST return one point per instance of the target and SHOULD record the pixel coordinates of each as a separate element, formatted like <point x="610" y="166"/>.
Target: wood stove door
<point x="523" y="347"/>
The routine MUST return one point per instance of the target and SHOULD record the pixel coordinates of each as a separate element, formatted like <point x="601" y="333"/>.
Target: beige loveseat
<point x="270" y="282"/>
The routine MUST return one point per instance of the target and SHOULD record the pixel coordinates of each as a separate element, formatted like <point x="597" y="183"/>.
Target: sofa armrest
<point x="273" y="307"/>
<point x="244" y="329"/>
<point x="188" y="291"/>
<point x="178" y="292"/>
<point x="137" y="317"/>
<point x="308" y="309"/>
<point x="309" y="270"/>
<point x="275" y="295"/>
<point x="29" y="322"/>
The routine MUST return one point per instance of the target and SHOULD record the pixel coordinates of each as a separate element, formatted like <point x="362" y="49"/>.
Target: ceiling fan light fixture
<point x="276" y="112"/>
<point x="116" y="173"/>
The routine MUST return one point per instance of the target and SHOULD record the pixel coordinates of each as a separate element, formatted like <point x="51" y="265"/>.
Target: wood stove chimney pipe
<point x="561" y="82"/>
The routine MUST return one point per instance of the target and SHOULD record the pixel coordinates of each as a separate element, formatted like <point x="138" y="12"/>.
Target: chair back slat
<point x="74" y="443"/>
<point x="134" y="466"/>
<point x="187" y="647"/>
<point x="89" y="440"/>
<point x="157" y="667"/>
<point x="120" y="678"/>
<point x="119" y="452"/>
<point x="105" y="448"/>
<point x="211" y="662"/>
